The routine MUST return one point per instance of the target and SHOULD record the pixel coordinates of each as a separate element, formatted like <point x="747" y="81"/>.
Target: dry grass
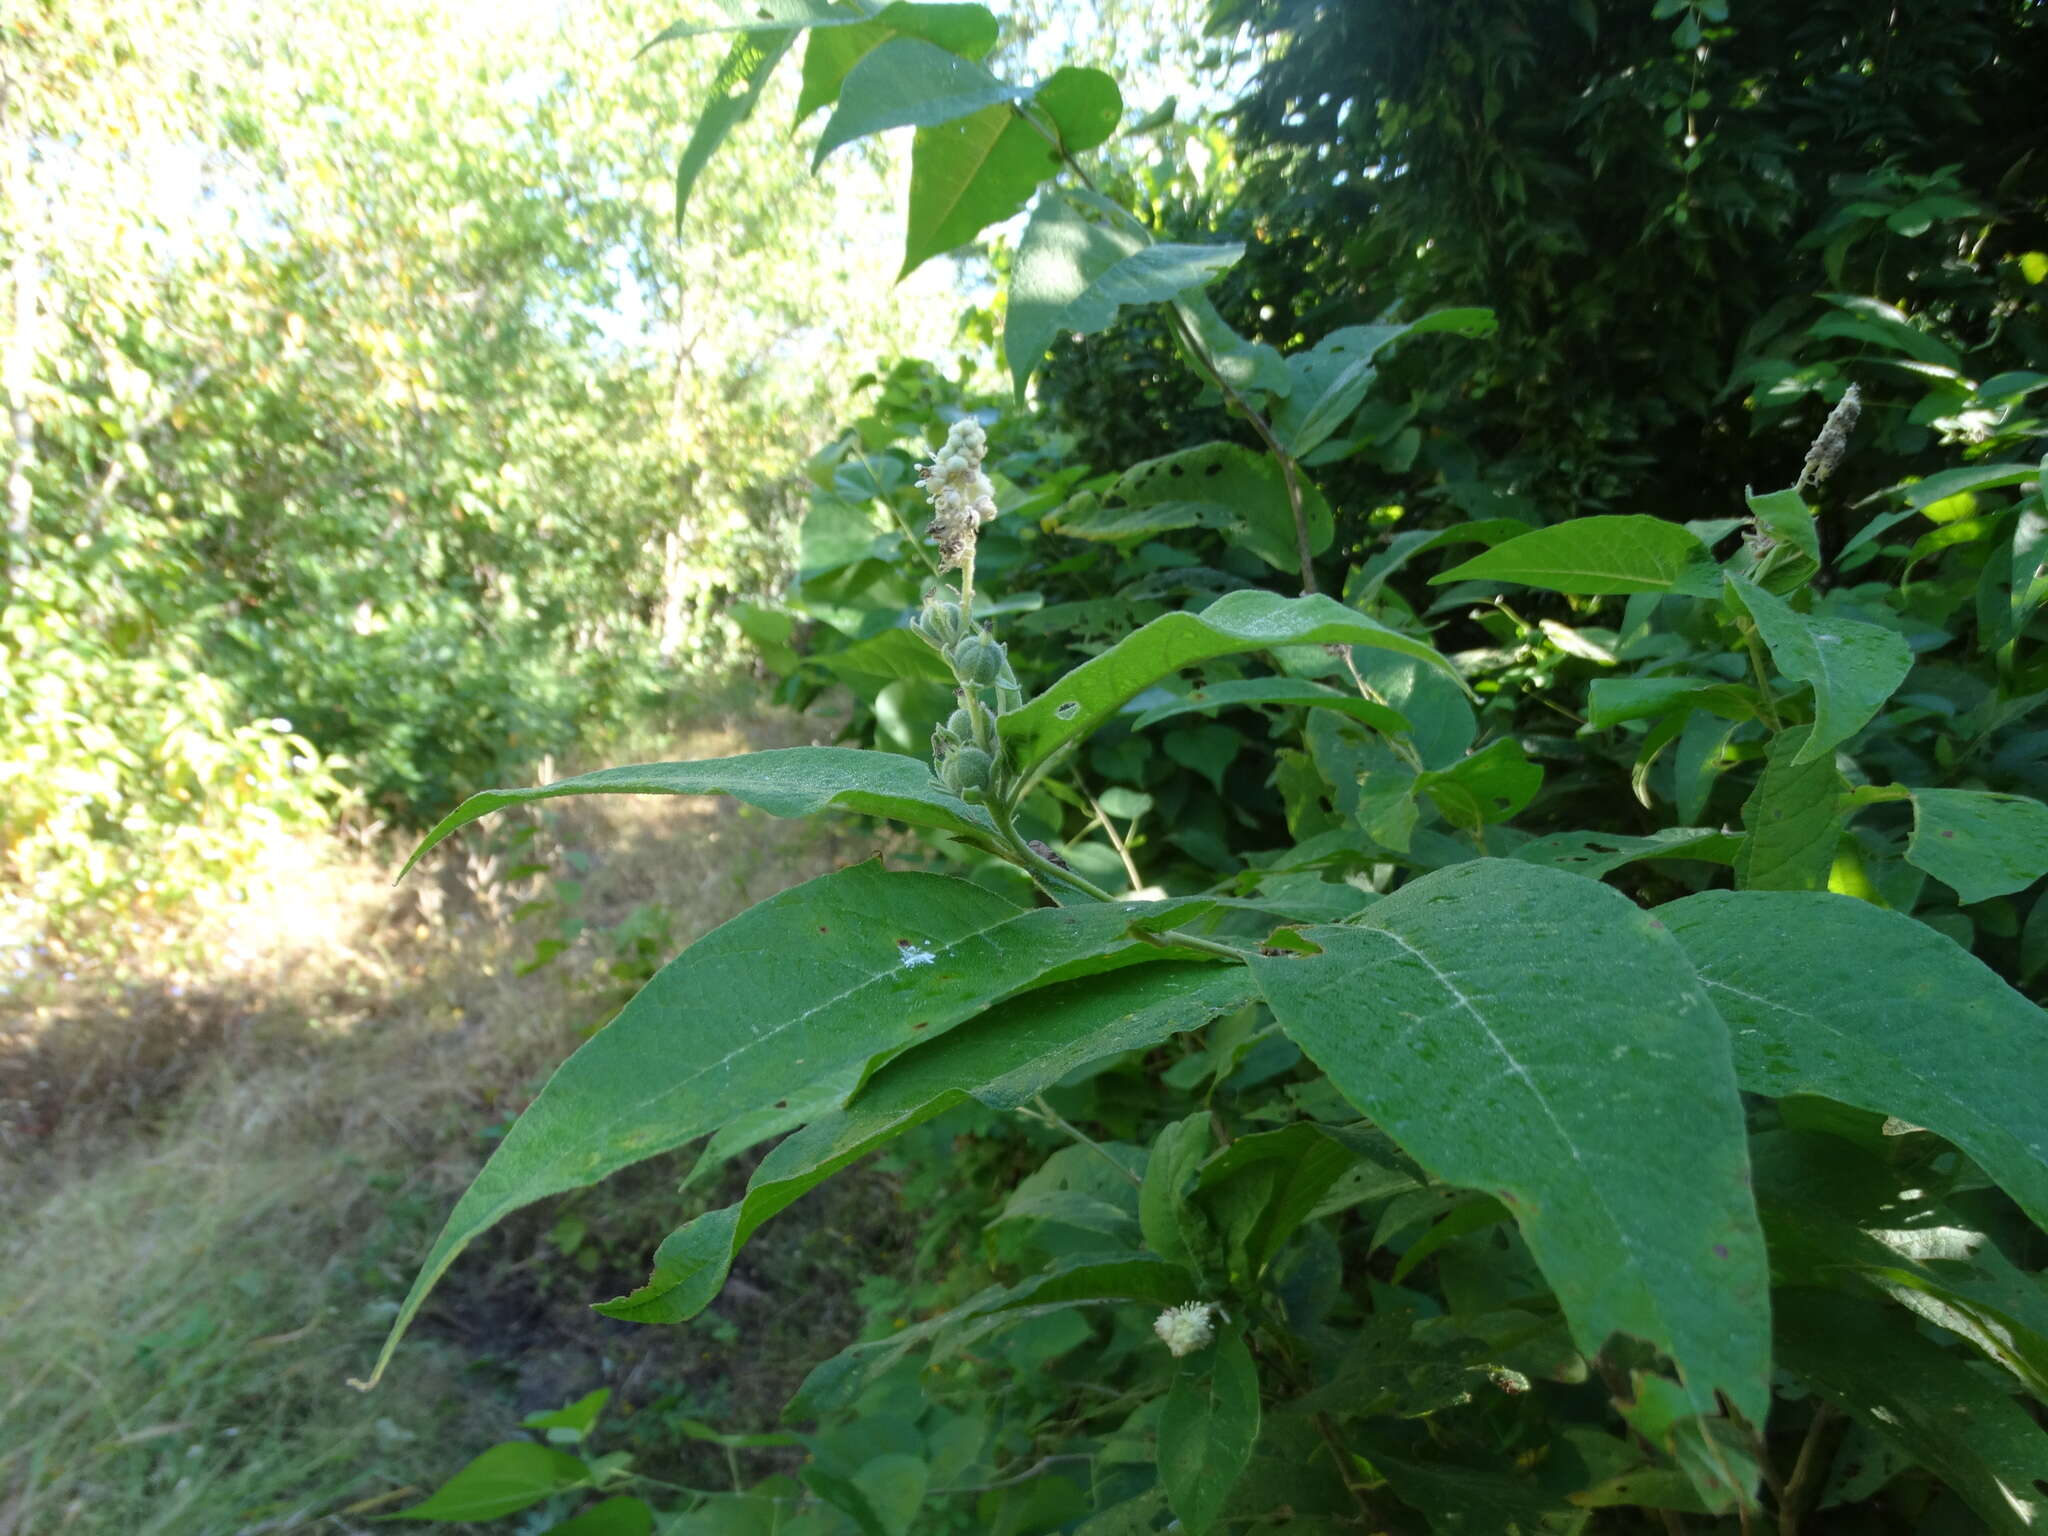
<point x="217" y="1181"/>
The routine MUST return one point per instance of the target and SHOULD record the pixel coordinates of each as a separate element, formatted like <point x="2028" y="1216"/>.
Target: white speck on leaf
<point x="917" y="954"/>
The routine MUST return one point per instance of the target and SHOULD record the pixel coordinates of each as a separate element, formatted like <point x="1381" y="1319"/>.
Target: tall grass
<point x="219" y="1177"/>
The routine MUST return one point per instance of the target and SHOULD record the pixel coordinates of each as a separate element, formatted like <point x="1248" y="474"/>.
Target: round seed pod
<point x="978" y="660"/>
<point x="969" y="768"/>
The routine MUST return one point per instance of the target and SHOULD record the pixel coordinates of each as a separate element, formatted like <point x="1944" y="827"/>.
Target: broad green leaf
<point x="789" y="781"/>
<point x="502" y="1481"/>
<point x="1163" y="1212"/>
<point x="572" y="1422"/>
<point x="1015" y="1050"/>
<point x="1252" y="368"/>
<point x="1533" y="1035"/>
<point x="971" y="172"/>
<point x="1262" y="1187"/>
<point x="1207" y="1430"/>
<point x="892" y="653"/>
<point x="1875" y="321"/>
<point x="908" y="82"/>
<point x="1788" y="518"/>
<point x="1491" y="785"/>
<point x="860" y="965"/>
<point x="735" y="91"/>
<point x="1073" y="275"/>
<point x="1612" y="700"/>
<point x="1793" y="820"/>
<point x="1922" y="494"/>
<point x="1829" y="995"/>
<point x="882" y="1498"/>
<point x="1235" y="623"/>
<point x="1395" y="1368"/>
<point x="1868" y="1360"/>
<point x="1217" y="485"/>
<point x="1081" y="1280"/>
<point x="1274" y="690"/>
<point x="622" y="1515"/>
<point x="968" y="30"/>
<point x="1853" y="667"/>
<point x="1979" y="844"/>
<point x="1595" y="854"/>
<point x="1594" y="555"/>
<point x="1331" y="378"/>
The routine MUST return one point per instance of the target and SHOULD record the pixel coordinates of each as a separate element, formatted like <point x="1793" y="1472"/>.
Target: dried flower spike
<point x="1186" y="1329"/>
<point x="1833" y="442"/>
<point x="962" y="497"/>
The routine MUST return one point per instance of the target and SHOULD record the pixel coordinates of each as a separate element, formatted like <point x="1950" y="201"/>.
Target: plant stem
<point x="1043" y="868"/>
<point x="1766" y="705"/>
<point x="1175" y="938"/>
<point x="1109" y="831"/>
<point x="1045" y="1112"/>
<point x="1798" y="1487"/>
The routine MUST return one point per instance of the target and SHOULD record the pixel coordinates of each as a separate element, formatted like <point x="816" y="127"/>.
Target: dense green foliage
<point x="1515" y="1010"/>
<point x="367" y="441"/>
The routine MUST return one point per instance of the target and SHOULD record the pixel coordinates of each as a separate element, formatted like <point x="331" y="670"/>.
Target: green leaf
<point x="861" y="965"/>
<point x="735" y="91"/>
<point x="623" y="1515"/>
<point x="1002" y="1059"/>
<point x="1207" y="1430"/>
<point x="1612" y="700"/>
<point x="1263" y="1186"/>
<point x="1594" y="555"/>
<point x="1073" y="275"/>
<point x="1828" y="995"/>
<point x="1793" y="818"/>
<point x="1922" y="494"/>
<point x="1594" y="854"/>
<point x="1788" y="518"/>
<point x="1332" y="378"/>
<point x="502" y="1481"/>
<point x="759" y="16"/>
<point x="908" y="82"/>
<point x="968" y="30"/>
<point x="789" y="781"/>
<point x="1235" y="623"/>
<point x="1853" y="667"/>
<point x="1080" y="1280"/>
<point x="1469" y="1015"/>
<point x="1867" y="1359"/>
<point x="974" y="171"/>
<point x="572" y="1421"/>
<point x="1979" y="844"/>
<point x="1216" y="485"/>
<point x="883" y="1497"/>
<point x="1163" y="1213"/>
<point x="1248" y="691"/>
<point x="1491" y="785"/>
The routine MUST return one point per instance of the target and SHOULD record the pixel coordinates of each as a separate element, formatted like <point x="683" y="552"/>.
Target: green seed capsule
<point x="960" y="725"/>
<point x="977" y="660"/>
<point x="969" y="768"/>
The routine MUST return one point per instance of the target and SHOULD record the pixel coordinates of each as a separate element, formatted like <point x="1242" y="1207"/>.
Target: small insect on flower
<point x="1185" y="1329"/>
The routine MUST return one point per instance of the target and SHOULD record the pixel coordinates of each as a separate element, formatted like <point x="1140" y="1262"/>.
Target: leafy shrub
<point x="1544" y="1087"/>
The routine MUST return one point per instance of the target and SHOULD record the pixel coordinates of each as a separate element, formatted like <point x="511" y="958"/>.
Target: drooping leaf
<point x="1979" y="844"/>
<point x="1263" y="1186"/>
<point x="1073" y="275"/>
<point x="1786" y="516"/>
<point x="909" y="82"/>
<point x="860" y="965"/>
<point x="1595" y="854"/>
<point x="1828" y="995"/>
<point x="502" y="1481"/>
<point x="1163" y="1212"/>
<point x="1533" y="1035"/>
<point x="1235" y="623"/>
<point x="1333" y="376"/>
<point x="1217" y="485"/>
<point x="1612" y="700"/>
<point x="1015" y="1050"/>
<point x="1867" y="1359"/>
<point x="970" y="172"/>
<point x="968" y="30"/>
<point x="1853" y="667"/>
<point x="735" y="91"/>
<point x="1793" y="818"/>
<point x="1595" y="555"/>
<point x="788" y="781"/>
<point x="1922" y="494"/>
<point x="1239" y="693"/>
<point x="1207" y="1430"/>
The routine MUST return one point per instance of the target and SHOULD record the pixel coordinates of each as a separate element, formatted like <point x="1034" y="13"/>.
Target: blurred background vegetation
<point x="371" y="439"/>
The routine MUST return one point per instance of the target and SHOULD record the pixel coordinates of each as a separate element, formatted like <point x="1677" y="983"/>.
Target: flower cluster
<point x="1833" y="442"/>
<point x="1186" y="1329"/>
<point x="962" y="497"/>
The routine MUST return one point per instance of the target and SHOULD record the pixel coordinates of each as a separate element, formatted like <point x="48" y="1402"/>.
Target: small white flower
<point x="1187" y="1328"/>
<point x="962" y="496"/>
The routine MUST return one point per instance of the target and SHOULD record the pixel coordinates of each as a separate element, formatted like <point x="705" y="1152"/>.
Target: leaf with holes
<point x="1535" y="1036"/>
<point x="1222" y="486"/>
